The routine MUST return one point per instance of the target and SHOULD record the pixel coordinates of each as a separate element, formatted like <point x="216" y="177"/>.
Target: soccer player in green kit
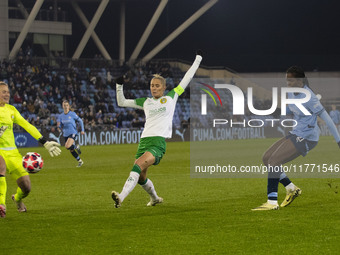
<point x="159" y="111"/>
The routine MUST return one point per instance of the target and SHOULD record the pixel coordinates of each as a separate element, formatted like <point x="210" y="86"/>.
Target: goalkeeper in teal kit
<point x="159" y="110"/>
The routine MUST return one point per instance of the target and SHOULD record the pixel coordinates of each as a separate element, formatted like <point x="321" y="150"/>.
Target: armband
<point x="179" y="90"/>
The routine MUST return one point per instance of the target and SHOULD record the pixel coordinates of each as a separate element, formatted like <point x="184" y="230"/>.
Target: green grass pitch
<point x="70" y="210"/>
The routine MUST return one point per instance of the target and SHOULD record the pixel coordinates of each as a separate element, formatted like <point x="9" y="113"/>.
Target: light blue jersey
<point x="306" y="124"/>
<point x="68" y="123"/>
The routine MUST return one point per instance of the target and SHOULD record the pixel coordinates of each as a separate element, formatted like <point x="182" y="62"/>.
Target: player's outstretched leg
<point x="129" y="185"/>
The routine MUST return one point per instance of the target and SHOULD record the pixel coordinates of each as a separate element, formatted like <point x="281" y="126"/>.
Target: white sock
<point x="129" y="185"/>
<point x="272" y="202"/>
<point x="150" y="189"/>
<point x="290" y="186"/>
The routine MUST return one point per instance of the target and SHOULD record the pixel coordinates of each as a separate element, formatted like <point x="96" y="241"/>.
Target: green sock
<point x="3" y="190"/>
<point x="136" y="169"/>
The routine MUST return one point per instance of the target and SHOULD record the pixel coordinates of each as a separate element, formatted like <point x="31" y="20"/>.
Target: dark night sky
<point x="244" y="35"/>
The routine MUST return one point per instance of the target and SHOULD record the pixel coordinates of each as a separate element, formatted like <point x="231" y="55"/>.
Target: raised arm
<point x="189" y="74"/>
<point x="121" y="100"/>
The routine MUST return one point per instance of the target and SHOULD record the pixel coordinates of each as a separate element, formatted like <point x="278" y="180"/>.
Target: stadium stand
<point x="38" y="90"/>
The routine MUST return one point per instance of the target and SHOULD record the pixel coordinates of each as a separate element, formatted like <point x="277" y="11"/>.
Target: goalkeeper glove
<point x="199" y="52"/>
<point x="2" y="130"/>
<point x="120" y="80"/>
<point x="53" y="148"/>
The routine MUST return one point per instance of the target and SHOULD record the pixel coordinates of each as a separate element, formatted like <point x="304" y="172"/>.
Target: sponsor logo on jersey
<point x="155" y="111"/>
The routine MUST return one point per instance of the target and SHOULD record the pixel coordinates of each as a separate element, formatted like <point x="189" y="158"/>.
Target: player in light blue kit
<point x="67" y="123"/>
<point x="303" y="138"/>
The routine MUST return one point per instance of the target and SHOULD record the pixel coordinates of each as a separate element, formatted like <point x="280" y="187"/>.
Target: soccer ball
<point x="32" y="162"/>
